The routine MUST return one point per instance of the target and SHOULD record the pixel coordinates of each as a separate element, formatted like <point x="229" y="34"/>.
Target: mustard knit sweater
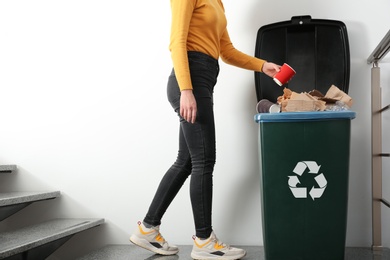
<point x="200" y="25"/>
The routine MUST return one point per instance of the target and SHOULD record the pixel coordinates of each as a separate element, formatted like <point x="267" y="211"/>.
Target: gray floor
<point x="126" y="252"/>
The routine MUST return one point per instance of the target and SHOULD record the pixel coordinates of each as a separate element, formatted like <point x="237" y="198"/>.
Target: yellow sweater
<point x="200" y="25"/>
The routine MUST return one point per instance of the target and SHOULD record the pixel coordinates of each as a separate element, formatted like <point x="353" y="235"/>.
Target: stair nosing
<point x="13" y="198"/>
<point x="7" y="168"/>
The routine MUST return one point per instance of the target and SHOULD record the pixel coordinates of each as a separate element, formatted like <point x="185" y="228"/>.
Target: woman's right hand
<point x="270" y="69"/>
<point x="188" y="108"/>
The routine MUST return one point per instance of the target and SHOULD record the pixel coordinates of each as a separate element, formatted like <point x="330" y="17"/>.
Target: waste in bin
<point x="304" y="169"/>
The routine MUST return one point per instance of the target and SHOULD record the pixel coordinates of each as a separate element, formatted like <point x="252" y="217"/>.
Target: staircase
<point x="40" y="240"/>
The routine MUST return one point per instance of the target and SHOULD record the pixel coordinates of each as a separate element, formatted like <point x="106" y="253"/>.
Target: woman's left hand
<point x="270" y="69"/>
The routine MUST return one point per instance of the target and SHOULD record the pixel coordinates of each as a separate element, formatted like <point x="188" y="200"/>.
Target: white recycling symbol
<point x="301" y="192"/>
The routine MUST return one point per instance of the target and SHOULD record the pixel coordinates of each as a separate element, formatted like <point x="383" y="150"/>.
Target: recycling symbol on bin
<point x="301" y="192"/>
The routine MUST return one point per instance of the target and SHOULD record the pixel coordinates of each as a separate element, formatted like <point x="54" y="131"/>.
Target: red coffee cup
<point x="284" y="75"/>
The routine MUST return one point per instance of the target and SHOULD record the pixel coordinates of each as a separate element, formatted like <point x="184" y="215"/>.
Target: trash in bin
<point x="314" y="100"/>
<point x="334" y="100"/>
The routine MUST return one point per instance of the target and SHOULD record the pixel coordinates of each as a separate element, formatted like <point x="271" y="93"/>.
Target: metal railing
<point x="381" y="50"/>
<point x="376" y="140"/>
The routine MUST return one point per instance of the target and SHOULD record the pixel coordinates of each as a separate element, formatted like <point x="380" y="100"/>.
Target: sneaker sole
<point x="146" y="245"/>
<point x="212" y="257"/>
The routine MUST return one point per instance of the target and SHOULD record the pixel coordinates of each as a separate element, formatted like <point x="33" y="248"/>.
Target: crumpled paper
<point x="292" y="101"/>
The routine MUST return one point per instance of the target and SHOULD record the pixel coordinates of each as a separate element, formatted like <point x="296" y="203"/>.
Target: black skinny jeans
<point x="196" y="155"/>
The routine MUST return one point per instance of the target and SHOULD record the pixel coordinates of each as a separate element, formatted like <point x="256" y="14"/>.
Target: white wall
<point x="84" y="111"/>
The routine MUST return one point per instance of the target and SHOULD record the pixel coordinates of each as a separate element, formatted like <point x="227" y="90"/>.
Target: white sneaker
<point x="151" y="239"/>
<point x="212" y="248"/>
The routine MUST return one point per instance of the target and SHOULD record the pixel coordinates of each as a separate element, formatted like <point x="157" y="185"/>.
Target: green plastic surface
<point x="312" y="226"/>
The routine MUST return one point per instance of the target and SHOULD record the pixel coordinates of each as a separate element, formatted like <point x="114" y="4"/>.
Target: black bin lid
<point x="317" y="49"/>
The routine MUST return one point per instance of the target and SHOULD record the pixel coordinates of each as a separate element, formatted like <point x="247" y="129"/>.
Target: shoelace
<point x="215" y="240"/>
<point x="159" y="237"/>
<point x="220" y="244"/>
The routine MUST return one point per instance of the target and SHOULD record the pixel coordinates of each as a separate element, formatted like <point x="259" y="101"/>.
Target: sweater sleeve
<point x="232" y="56"/>
<point x="180" y="23"/>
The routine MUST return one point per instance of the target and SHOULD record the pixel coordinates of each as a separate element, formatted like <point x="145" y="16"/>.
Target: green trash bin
<point x="304" y="169"/>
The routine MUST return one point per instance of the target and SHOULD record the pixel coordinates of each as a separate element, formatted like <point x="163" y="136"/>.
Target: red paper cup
<point x="284" y="75"/>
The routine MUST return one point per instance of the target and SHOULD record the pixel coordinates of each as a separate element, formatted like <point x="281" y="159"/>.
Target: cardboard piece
<point x="291" y="101"/>
<point x="334" y="93"/>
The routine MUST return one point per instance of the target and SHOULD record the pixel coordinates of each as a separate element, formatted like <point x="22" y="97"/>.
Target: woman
<point x="198" y="39"/>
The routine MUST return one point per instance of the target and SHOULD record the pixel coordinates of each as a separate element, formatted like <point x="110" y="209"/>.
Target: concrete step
<point x="12" y="202"/>
<point x="7" y="168"/>
<point x="40" y="240"/>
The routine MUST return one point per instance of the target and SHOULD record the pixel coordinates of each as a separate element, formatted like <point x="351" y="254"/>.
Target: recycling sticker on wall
<point x="310" y="167"/>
